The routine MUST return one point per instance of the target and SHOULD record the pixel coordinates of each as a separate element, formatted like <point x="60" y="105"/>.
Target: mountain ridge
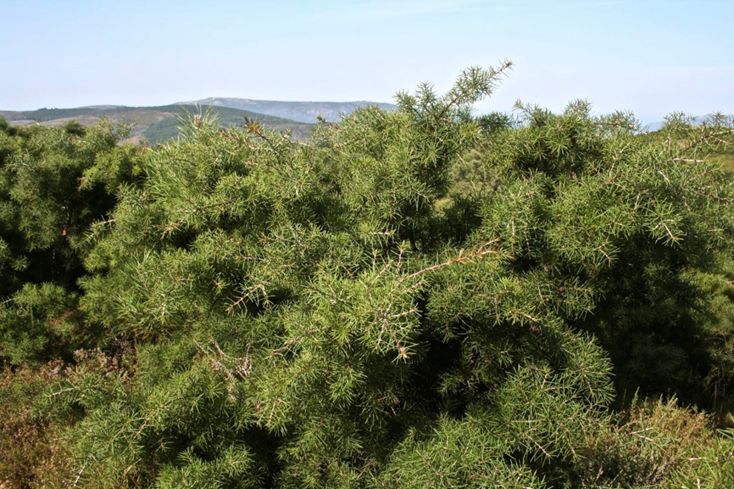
<point x="159" y="123"/>
<point x="306" y="112"/>
<point x="155" y="123"/>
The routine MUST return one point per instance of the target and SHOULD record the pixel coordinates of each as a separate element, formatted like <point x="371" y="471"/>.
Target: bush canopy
<point x="417" y="298"/>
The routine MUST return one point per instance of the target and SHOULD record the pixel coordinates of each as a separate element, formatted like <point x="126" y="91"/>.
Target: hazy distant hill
<point x="656" y="126"/>
<point x="295" y="111"/>
<point x="154" y="124"/>
<point x="723" y="156"/>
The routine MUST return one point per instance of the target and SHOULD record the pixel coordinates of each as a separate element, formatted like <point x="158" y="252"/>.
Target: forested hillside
<point x="153" y="124"/>
<point x="416" y="298"/>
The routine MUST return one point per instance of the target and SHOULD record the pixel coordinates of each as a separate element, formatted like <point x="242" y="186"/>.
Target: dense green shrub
<point x="414" y="298"/>
<point x="54" y="183"/>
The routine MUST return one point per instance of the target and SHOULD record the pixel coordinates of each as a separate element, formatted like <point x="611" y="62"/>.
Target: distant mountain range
<point x="157" y="124"/>
<point x="296" y="111"/>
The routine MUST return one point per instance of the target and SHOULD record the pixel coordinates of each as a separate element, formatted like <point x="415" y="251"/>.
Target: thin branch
<point x="461" y="258"/>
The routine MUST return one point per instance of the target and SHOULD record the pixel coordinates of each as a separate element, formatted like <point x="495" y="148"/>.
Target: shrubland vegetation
<point x="417" y="298"/>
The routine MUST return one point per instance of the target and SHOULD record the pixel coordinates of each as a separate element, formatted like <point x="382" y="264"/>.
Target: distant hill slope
<point x="656" y="126"/>
<point x="155" y="124"/>
<point x="724" y="156"/>
<point x="296" y="111"/>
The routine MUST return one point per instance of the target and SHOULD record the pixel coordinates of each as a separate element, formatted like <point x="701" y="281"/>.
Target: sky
<point x="651" y="57"/>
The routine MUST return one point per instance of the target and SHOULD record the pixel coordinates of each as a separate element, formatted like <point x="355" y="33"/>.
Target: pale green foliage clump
<point x="348" y="313"/>
<point x="613" y="224"/>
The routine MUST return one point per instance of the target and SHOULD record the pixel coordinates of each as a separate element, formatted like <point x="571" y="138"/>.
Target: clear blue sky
<point x="649" y="56"/>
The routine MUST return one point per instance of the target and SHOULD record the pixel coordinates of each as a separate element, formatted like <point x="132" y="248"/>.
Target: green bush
<point x="375" y="309"/>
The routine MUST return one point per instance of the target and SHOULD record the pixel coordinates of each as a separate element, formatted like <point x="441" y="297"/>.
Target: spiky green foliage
<point x="54" y="183"/>
<point x="46" y="209"/>
<point x="346" y="313"/>
<point x="614" y="223"/>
